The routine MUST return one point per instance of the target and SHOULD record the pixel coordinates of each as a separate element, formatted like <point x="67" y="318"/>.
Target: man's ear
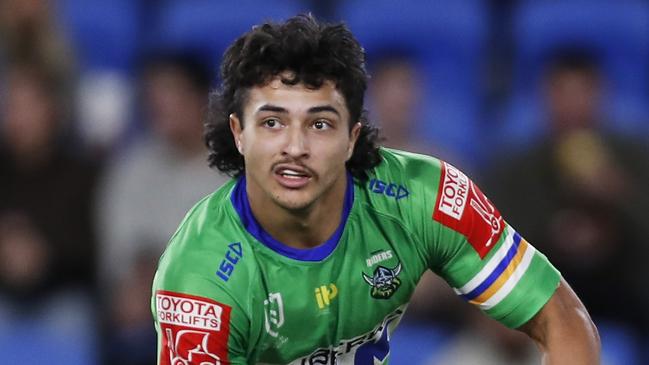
<point x="237" y="129"/>
<point x="353" y="137"/>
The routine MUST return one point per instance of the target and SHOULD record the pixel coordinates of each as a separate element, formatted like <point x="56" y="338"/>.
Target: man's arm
<point x="564" y="331"/>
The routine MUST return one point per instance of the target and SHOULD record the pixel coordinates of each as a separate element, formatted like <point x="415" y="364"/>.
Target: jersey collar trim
<point x="241" y="204"/>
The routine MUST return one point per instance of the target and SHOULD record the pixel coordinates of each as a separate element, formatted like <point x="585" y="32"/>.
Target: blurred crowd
<point x="545" y="104"/>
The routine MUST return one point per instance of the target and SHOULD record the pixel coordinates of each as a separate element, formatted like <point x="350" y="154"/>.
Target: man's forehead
<point x="279" y="91"/>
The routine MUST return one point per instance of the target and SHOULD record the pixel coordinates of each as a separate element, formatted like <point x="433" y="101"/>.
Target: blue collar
<point x="241" y="204"/>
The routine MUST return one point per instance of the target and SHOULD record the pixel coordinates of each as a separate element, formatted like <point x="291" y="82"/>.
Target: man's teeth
<point x="291" y="173"/>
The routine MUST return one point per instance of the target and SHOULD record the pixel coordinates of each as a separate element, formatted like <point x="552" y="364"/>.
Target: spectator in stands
<point x="145" y="193"/>
<point x="47" y="241"/>
<point x="486" y="342"/>
<point x="45" y="189"/>
<point x="591" y="195"/>
<point x="396" y="99"/>
<point x="28" y="30"/>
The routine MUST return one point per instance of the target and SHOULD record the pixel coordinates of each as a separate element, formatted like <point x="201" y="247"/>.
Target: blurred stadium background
<point x="545" y="103"/>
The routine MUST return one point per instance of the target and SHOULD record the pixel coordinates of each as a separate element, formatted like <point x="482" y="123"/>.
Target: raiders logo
<point x="384" y="282"/>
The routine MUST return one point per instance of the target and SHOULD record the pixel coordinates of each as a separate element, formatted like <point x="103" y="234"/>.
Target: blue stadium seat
<point x="417" y="343"/>
<point x="619" y="345"/>
<point x="59" y="329"/>
<point x="210" y="26"/>
<point x="104" y="33"/>
<point x="449" y="35"/>
<point x="617" y="31"/>
<point x="449" y="38"/>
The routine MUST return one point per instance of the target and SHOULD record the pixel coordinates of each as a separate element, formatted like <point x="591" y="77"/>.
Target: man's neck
<point x="303" y="228"/>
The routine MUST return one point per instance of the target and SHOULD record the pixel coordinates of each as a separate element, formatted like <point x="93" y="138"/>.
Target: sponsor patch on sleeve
<point x="462" y="207"/>
<point x="194" y="330"/>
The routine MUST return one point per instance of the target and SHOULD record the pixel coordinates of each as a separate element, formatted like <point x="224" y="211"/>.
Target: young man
<point x="310" y="255"/>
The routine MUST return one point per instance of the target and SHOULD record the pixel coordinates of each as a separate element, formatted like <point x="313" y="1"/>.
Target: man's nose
<point x="296" y="142"/>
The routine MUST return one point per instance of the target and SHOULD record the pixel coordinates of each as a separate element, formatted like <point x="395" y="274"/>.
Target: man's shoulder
<point x="400" y="170"/>
<point x="403" y="184"/>
<point x="208" y="222"/>
<point x="208" y="246"/>
<point x="410" y="165"/>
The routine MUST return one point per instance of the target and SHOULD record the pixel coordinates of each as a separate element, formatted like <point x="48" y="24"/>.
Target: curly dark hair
<point x="313" y="52"/>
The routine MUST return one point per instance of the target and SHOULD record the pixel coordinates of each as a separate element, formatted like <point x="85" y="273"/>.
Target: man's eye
<point x="321" y="125"/>
<point x="271" y="123"/>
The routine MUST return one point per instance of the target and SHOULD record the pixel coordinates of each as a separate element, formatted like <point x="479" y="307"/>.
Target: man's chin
<point x="293" y="203"/>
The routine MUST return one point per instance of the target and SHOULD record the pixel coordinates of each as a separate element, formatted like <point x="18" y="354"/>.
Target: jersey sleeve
<point x="197" y="321"/>
<point x="483" y="258"/>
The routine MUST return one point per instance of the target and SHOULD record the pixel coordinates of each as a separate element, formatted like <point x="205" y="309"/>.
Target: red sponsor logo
<point x="194" y="330"/>
<point x="463" y="207"/>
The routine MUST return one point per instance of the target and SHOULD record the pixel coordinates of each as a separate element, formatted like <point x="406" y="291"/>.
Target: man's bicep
<point x="536" y="327"/>
<point x="563" y="304"/>
<point x="563" y="329"/>
<point x="196" y="327"/>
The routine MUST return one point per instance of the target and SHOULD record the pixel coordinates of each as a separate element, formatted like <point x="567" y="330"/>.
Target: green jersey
<point x="226" y="292"/>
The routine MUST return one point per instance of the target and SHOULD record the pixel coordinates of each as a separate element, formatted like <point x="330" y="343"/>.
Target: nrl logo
<point x="384" y="282"/>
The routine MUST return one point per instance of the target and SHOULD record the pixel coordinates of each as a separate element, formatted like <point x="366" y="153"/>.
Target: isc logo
<point x="232" y="256"/>
<point x="389" y="189"/>
<point x="324" y="295"/>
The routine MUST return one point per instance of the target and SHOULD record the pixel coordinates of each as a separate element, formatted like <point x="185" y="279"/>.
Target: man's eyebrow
<point x="312" y="110"/>
<point x="323" y="108"/>
<point x="271" y="108"/>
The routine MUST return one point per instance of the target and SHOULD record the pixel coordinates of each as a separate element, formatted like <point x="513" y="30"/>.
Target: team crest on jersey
<point x="384" y="282"/>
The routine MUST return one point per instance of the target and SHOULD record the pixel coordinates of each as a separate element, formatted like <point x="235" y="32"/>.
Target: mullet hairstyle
<point x="313" y="52"/>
